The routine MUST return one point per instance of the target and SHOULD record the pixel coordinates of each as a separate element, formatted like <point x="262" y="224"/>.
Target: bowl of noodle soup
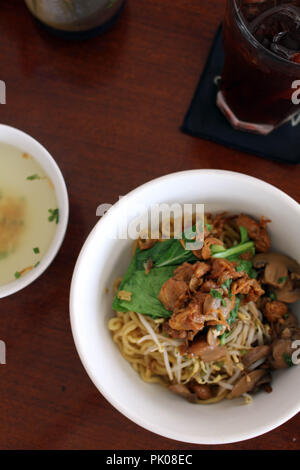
<point x="105" y="338"/>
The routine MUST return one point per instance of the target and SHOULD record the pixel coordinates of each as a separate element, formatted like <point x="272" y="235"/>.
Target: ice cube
<point x="278" y="29"/>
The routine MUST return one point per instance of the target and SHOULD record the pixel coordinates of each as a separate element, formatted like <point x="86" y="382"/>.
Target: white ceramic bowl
<point x="29" y="145"/>
<point x="102" y="259"/>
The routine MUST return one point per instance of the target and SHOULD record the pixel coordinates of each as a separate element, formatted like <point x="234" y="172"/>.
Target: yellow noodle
<point x="145" y="358"/>
<point x="127" y="331"/>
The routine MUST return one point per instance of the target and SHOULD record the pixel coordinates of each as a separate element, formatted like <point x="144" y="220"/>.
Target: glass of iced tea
<point x="260" y="85"/>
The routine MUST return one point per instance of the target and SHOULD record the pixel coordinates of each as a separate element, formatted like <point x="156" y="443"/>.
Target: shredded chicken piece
<point x="184" y="272"/>
<point x="256" y="231"/>
<point x="249" y="287"/>
<point x="222" y="269"/>
<point x="181" y="334"/>
<point x="275" y="310"/>
<point x="172" y="292"/>
<point x="208" y="285"/>
<point x="219" y="221"/>
<point x="190" y="317"/>
<point x="200" y="269"/>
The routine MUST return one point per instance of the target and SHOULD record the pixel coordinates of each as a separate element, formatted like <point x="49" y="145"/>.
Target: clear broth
<point x="26" y="196"/>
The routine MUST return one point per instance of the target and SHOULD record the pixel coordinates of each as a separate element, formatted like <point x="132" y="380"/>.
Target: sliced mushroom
<point x="260" y="260"/>
<point x="228" y="364"/>
<point x="290" y="321"/>
<point x="207" y="353"/>
<point x="202" y="391"/>
<point x="277" y="267"/>
<point x="255" y="354"/>
<point x="183" y="390"/>
<point x="291" y="332"/>
<point x="266" y="379"/>
<point x="281" y="349"/>
<point x="247" y="382"/>
<point x="276" y="274"/>
<point x="288" y="293"/>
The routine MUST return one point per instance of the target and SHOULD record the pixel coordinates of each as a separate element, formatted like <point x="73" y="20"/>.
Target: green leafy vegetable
<point x="288" y="360"/>
<point x="244" y="265"/>
<point x="272" y="295"/>
<point x="209" y="227"/>
<point x="223" y="337"/>
<point x="244" y="234"/>
<point x="165" y="257"/>
<point x="144" y="291"/>
<point x="282" y="279"/>
<point x="214" y="249"/>
<point x="216" y="294"/>
<point x="172" y="254"/>
<point x="227" y="284"/>
<point x="36" y="250"/>
<point x="224" y="303"/>
<point x="234" y="312"/>
<point x="233" y="251"/>
<point x="17" y="275"/>
<point x="231" y="319"/>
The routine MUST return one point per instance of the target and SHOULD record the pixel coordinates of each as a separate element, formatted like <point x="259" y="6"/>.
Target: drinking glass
<point x="260" y="84"/>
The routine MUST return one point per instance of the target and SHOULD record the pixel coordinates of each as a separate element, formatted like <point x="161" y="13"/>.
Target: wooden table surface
<point x="109" y="111"/>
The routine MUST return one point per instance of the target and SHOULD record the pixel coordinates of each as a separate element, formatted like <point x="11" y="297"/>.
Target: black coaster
<point x="205" y="120"/>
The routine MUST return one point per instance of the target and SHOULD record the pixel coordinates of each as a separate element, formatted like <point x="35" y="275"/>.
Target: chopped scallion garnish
<point x="54" y="215"/>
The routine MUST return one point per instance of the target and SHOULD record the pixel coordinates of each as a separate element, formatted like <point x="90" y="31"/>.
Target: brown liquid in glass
<point x="256" y="83"/>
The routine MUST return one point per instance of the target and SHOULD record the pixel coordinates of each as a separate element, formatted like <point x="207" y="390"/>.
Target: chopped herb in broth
<point x="33" y="177"/>
<point x="54" y="215"/>
<point x="26" y="193"/>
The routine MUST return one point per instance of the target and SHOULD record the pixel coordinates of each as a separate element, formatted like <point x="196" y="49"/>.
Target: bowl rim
<point x="134" y="417"/>
<point x="44" y="155"/>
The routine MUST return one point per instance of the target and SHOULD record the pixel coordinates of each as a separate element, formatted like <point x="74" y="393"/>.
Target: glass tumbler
<point x="260" y="84"/>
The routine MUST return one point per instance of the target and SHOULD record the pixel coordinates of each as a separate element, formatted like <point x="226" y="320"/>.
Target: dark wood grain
<point x="109" y="110"/>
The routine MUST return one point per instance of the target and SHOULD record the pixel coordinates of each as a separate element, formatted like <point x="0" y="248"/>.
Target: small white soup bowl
<point x="103" y="259"/>
<point x="27" y="144"/>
